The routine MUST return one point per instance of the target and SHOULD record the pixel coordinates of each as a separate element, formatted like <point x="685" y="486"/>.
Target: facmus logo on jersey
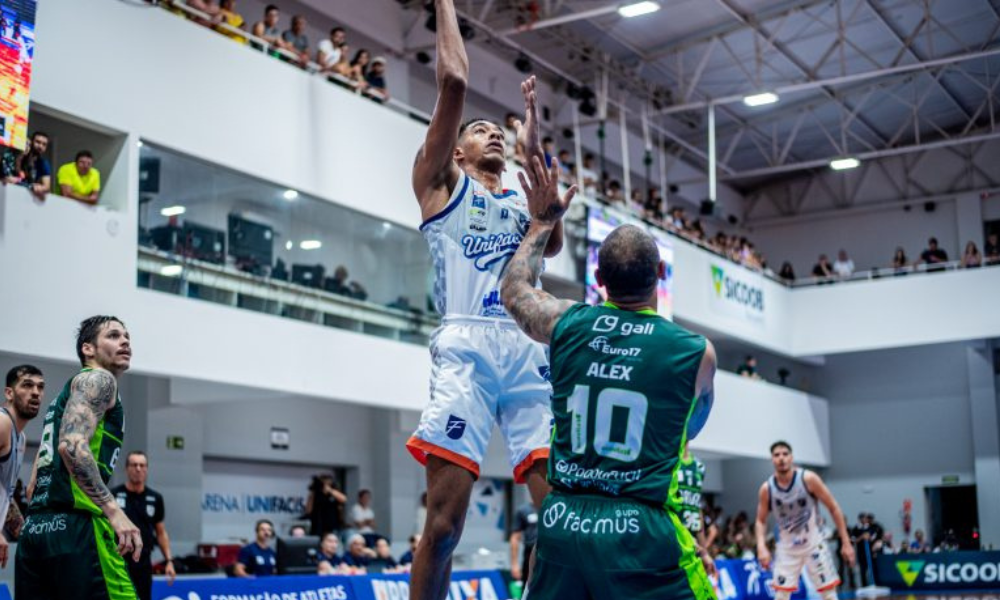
<point x="486" y="250"/>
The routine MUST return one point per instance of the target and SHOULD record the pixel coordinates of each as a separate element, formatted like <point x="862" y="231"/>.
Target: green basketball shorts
<point x="70" y="556"/>
<point x="603" y="548"/>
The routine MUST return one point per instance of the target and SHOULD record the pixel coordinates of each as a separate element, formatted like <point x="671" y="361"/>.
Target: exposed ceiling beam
<point x="837" y="81"/>
<point x="568" y="17"/>
<point x="703" y="36"/>
<point x="879" y="13"/>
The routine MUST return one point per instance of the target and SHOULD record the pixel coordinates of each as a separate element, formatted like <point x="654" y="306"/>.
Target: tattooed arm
<point x="92" y="393"/>
<point x="536" y="311"/>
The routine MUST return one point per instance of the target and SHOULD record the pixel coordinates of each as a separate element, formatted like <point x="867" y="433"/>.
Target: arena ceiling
<point x="865" y="78"/>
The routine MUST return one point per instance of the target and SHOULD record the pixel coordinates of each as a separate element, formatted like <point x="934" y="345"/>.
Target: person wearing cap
<point x="376" y="78"/>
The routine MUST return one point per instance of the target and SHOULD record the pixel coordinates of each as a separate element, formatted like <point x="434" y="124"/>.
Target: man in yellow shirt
<point x="80" y="180"/>
<point x="227" y="8"/>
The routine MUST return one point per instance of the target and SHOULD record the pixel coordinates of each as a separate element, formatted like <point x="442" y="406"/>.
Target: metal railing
<point x="313" y="68"/>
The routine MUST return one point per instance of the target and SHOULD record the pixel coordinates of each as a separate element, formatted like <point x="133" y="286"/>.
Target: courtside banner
<point x="745" y="580"/>
<point x="737" y="292"/>
<point x="465" y="585"/>
<point x="939" y="571"/>
<point x="17" y="50"/>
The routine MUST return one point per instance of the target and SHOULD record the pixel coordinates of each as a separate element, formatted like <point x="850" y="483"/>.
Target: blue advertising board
<point x="746" y="580"/>
<point x="939" y="571"/>
<point x="465" y="585"/>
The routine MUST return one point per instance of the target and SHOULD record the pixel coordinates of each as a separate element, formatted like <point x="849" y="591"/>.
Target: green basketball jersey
<point x="55" y="490"/>
<point x="623" y="391"/>
<point x="690" y="476"/>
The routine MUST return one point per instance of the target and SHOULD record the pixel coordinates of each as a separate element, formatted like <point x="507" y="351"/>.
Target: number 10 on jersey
<point x="579" y="405"/>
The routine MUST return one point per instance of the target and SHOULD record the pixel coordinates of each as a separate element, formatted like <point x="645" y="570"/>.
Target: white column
<point x="985" y="441"/>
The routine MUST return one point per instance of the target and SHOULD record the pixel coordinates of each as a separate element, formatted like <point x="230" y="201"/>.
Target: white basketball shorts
<point x="485" y="371"/>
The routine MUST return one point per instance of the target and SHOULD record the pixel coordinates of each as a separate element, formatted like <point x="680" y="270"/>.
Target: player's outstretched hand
<point x="527" y="132"/>
<point x="541" y="187"/>
<point x="764" y="558"/>
<point x="847" y="553"/>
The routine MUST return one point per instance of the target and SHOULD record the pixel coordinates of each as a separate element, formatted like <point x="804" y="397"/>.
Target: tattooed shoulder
<point x="95" y="388"/>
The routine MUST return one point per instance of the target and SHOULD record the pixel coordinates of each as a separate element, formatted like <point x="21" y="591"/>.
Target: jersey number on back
<point x="607" y="400"/>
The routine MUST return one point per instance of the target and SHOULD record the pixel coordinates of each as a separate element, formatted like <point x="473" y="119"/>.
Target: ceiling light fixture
<point x="173" y="211"/>
<point x="843" y="164"/>
<point x="290" y="195"/>
<point x="761" y="99"/>
<point x="637" y="9"/>
<point x="311" y="244"/>
<point x="171" y="270"/>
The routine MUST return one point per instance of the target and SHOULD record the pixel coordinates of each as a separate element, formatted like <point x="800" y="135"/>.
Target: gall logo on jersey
<point x="455" y="428"/>
<point x="486" y="250"/>
<point x="609" y="323"/>
<point x="741" y="293"/>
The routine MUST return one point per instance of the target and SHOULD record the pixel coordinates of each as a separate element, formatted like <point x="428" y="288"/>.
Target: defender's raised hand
<point x="541" y="187"/>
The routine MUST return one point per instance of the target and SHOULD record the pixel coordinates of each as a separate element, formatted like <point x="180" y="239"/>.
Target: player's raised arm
<point x="816" y="487"/>
<point x="536" y="311"/>
<point x="435" y="172"/>
<point x="760" y="527"/>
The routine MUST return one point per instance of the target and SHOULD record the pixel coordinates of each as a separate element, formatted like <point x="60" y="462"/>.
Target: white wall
<point x="899" y="421"/>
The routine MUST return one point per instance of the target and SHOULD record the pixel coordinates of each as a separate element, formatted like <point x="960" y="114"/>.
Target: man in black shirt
<point x="992" y="248"/>
<point x="144" y="507"/>
<point x="933" y="255"/>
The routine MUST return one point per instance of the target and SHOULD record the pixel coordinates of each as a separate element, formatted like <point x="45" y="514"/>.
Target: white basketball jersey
<point x="796" y="511"/>
<point x="471" y="241"/>
<point x="10" y="466"/>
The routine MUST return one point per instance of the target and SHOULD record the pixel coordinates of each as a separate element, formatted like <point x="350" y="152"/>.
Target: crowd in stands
<point x="78" y="180"/>
<point x="332" y="56"/>
<point x="334" y="526"/>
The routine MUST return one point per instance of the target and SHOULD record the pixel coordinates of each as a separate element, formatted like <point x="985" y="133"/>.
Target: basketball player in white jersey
<point x="23" y="391"/>
<point x="793" y="495"/>
<point x="485" y="370"/>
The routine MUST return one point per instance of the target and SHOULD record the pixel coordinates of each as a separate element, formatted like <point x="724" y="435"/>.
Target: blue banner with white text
<point x="465" y="585"/>
<point x="746" y="580"/>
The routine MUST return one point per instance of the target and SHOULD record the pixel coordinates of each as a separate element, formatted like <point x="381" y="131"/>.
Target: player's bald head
<point x="628" y="264"/>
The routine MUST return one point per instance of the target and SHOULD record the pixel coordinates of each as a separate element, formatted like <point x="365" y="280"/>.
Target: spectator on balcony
<point x="787" y="273"/>
<point x="899" y="261"/>
<point x="375" y="78"/>
<point x="30" y="168"/>
<point x="343" y="65"/>
<point x="329" y="50"/>
<point x="205" y="6"/>
<point x="80" y="180"/>
<point x="359" y="68"/>
<point x="549" y="149"/>
<point x="567" y="170"/>
<point x="614" y="193"/>
<point x="407" y="558"/>
<point x="338" y="283"/>
<point x="589" y="176"/>
<point x="268" y="31"/>
<point x="933" y="255"/>
<point x="229" y="16"/>
<point x="992" y="248"/>
<point x="971" y="258"/>
<point x="823" y="269"/>
<point x="748" y="368"/>
<point x="653" y="209"/>
<point x="296" y="39"/>
<point x="514" y="149"/>
<point x="358" y="291"/>
<point x="843" y="266"/>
